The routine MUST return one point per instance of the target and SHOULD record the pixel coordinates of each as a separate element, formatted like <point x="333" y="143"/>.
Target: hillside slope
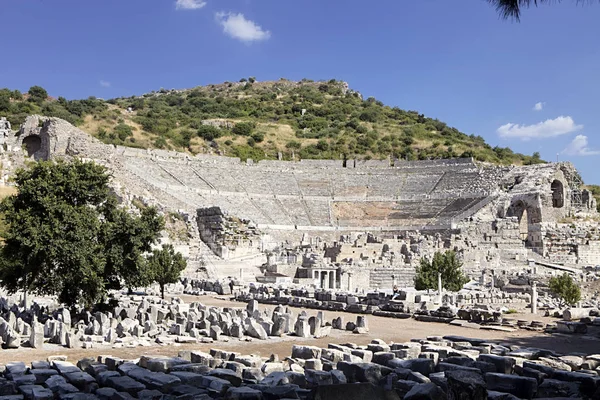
<point x="263" y="120"/>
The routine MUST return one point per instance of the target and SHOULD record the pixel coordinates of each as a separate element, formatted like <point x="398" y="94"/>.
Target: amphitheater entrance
<point x="524" y="214"/>
<point x="558" y="194"/>
<point x="32" y="144"/>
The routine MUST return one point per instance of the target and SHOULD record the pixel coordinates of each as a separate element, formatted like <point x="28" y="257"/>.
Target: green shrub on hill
<point x="326" y="119"/>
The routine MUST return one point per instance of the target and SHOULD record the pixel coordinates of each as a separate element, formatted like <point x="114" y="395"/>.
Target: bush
<point x="448" y="265"/>
<point x="209" y="132"/>
<point x="565" y="288"/>
<point x="293" y="145"/>
<point x="243" y="128"/>
<point x="257" y="137"/>
<point x="37" y="94"/>
<point x="123" y="131"/>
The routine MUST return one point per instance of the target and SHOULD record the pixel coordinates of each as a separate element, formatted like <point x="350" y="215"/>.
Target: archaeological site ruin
<point x="298" y="239"/>
<point x="351" y="224"/>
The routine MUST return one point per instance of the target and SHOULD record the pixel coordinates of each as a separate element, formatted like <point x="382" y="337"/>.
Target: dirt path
<point x="388" y="329"/>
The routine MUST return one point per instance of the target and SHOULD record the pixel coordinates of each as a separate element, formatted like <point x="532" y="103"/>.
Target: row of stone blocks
<point x="433" y="368"/>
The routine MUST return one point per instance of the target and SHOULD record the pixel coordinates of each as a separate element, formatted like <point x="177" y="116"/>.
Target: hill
<point x="263" y="120"/>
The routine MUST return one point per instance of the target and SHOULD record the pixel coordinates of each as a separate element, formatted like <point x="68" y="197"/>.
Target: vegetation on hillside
<point x="65" y="235"/>
<point x="264" y="120"/>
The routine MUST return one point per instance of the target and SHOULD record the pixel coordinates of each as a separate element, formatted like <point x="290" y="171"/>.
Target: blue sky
<point x="532" y="86"/>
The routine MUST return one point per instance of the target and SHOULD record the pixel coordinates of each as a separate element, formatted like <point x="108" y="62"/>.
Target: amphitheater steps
<point x="307" y="211"/>
<point x="266" y="216"/>
<point x="437" y="183"/>
<point x="172" y="175"/>
<point x="382" y="277"/>
<point x="204" y="180"/>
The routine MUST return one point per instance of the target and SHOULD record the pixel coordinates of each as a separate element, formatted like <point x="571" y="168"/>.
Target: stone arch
<point x="527" y="216"/>
<point x="32" y="144"/>
<point x="519" y="209"/>
<point x="558" y="194"/>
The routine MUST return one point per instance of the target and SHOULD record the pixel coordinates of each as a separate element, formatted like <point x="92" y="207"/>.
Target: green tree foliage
<point x="448" y="265"/>
<point x="37" y="94"/>
<point x="352" y="127"/>
<point x="243" y="128"/>
<point x="67" y="237"/>
<point x="565" y="288"/>
<point x="209" y="133"/>
<point x="126" y="238"/>
<point x="165" y="266"/>
<point x="123" y="131"/>
<point x="512" y="8"/>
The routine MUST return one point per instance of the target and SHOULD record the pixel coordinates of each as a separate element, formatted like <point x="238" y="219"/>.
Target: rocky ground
<point x="387" y="329"/>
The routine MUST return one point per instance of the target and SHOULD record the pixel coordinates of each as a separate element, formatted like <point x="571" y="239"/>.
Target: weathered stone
<point x="424" y="366"/>
<point x="228" y="375"/>
<point x="125" y="384"/>
<point x="425" y="391"/>
<point x="557" y="388"/>
<point x="504" y="365"/>
<point x="363" y="372"/>
<point x="356" y="391"/>
<point x="255" y="330"/>
<point x="305" y="352"/>
<point x="465" y="385"/>
<point x="243" y="393"/>
<point x="520" y="386"/>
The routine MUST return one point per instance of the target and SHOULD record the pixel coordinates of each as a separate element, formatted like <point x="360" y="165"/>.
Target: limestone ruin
<point x="348" y="224"/>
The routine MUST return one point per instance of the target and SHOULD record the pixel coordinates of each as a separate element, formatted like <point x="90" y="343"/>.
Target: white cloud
<point x="539" y="106"/>
<point x="189" y="4"/>
<point x="104" y="83"/>
<point x="579" y="147"/>
<point x="238" y="27"/>
<point x="546" y="129"/>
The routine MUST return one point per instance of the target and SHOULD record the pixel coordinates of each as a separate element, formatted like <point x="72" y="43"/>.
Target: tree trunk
<point x="162" y="291"/>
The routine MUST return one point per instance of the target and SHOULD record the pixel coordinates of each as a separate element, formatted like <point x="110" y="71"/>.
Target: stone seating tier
<point x="303" y="194"/>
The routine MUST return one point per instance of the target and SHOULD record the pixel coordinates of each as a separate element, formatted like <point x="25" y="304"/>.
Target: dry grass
<point x="6" y="191"/>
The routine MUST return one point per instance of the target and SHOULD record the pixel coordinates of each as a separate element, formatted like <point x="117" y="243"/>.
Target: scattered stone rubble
<point x="143" y="321"/>
<point x="436" y="367"/>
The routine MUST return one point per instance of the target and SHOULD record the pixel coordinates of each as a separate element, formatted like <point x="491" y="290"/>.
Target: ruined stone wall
<point x="226" y="235"/>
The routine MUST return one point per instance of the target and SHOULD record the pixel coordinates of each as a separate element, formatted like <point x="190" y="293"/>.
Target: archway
<point x="558" y="194"/>
<point x="519" y="210"/>
<point x="32" y="144"/>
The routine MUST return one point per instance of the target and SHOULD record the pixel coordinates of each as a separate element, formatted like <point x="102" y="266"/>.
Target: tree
<point x="512" y="8"/>
<point x="448" y="265"/>
<point x="67" y="237"/>
<point x="209" y="132"/>
<point x="37" y="94"/>
<point x="243" y="128"/>
<point x="126" y="239"/>
<point x="565" y="288"/>
<point x="165" y="266"/>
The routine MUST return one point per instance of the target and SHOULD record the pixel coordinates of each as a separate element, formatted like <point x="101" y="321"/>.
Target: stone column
<point x="349" y="281"/>
<point x="326" y="281"/>
<point x="493" y="280"/>
<point x="332" y="279"/>
<point x="440" y="286"/>
<point x="534" y="296"/>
